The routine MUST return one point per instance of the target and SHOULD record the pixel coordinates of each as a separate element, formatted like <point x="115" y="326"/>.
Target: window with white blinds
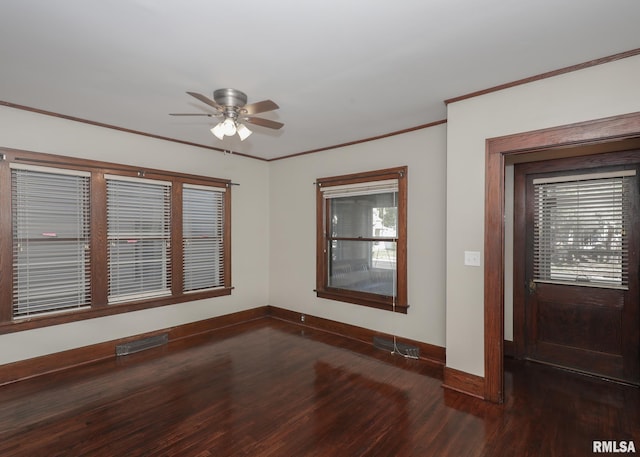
<point x="203" y="237"/>
<point x="138" y="231"/>
<point x="81" y="238"/>
<point x="50" y="222"/>
<point x="580" y="227"/>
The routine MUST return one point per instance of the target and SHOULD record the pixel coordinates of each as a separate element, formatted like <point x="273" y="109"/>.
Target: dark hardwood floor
<point x="271" y="388"/>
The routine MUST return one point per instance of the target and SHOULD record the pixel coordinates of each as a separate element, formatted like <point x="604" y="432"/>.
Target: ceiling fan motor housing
<point x="230" y="97"/>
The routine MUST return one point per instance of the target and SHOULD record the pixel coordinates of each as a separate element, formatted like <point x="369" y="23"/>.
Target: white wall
<point x="293" y="231"/>
<point x="592" y="93"/>
<point x="250" y="229"/>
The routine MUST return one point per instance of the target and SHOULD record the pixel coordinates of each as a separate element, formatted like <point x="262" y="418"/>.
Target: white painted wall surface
<point x="592" y="93"/>
<point x="293" y="232"/>
<point x="250" y="228"/>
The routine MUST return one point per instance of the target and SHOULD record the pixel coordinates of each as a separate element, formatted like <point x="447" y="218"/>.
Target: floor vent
<point x="141" y="345"/>
<point x="395" y="347"/>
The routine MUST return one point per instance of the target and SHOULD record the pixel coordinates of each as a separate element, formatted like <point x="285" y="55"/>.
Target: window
<point x="203" y="237"/>
<point x="138" y="233"/>
<point x="361" y="239"/>
<point x="87" y="239"/>
<point x="50" y="214"/>
<point x="580" y="226"/>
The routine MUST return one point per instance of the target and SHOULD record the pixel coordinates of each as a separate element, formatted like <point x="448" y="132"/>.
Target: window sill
<point x="364" y="299"/>
<point x="28" y="323"/>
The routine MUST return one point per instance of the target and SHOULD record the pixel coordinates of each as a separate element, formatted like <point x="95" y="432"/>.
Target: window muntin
<point x="203" y="237"/>
<point x="139" y="235"/>
<point x="580" y="226"/>
<point x="362" y="239"/>
<point x="50" y="224"/>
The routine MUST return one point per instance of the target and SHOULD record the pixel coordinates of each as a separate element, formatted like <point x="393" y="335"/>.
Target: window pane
<point x="366" y="216"/>
<point x="579" y="232"/>
<point x="136" y="267"/>
<point x="365" y="266"/>
<point x="138" y="218"/>
<point x="50" y="242"/>
<point x="203" y="229"/>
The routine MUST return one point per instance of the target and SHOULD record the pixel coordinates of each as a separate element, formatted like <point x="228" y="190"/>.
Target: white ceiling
<point x="341" y="71"/>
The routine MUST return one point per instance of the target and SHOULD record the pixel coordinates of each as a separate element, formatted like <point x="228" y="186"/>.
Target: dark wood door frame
<point x="498" y="150"/>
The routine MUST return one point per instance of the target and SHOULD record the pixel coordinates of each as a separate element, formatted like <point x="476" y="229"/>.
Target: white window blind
<point x="138" y="230"/>
<point x="580" y="226"/>
<point x="365" y="188"/>
<point x="203" y="237"/>
<point x="51" y="268"/>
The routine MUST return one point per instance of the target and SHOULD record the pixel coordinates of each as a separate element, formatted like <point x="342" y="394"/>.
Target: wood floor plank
<point x="272" y="388"/>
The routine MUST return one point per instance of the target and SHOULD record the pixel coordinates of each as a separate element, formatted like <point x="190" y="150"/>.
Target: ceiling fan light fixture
<point x="243" y="132"/>
<point x="229" y="127"/>
<point x="218" y="131"/>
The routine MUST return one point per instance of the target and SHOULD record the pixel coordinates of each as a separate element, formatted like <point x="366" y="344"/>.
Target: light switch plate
<point x="472" y="258"/>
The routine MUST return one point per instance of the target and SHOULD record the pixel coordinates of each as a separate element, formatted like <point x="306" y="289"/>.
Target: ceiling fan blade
<point x="206" y="100"/>
<point x="259" y="107"/>
<point x="193" y="114"/>
<point x="264" y="122"/>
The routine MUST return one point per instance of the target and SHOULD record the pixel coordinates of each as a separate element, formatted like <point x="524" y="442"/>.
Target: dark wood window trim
<point x="98" y="241"/>
<point x="323" y="290"/>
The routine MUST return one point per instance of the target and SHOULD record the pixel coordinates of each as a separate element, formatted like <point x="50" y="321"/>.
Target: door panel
<point x="577" y="327"/>
<point x="584" y="326"/>
<point x="565" y="319"/>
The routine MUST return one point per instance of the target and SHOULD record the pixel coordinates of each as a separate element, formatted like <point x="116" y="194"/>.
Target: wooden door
<point x="581" y="241"/>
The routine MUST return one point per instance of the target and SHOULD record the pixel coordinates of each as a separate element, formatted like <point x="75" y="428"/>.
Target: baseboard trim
<point x="428" y="352"/>
<point x="463" y="382"/>
<point x="51" y="363"/>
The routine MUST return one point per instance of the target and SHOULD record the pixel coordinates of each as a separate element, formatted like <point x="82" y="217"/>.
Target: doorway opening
<point x="586" y="138"/>
<point x="575" y="269"/>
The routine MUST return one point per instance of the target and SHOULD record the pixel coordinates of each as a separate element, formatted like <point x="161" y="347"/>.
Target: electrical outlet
<point x="472" y="258"/>
<point x="301" y="317"/>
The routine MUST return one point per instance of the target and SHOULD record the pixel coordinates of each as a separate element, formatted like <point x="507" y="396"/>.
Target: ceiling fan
<point x="231" y="106"/>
